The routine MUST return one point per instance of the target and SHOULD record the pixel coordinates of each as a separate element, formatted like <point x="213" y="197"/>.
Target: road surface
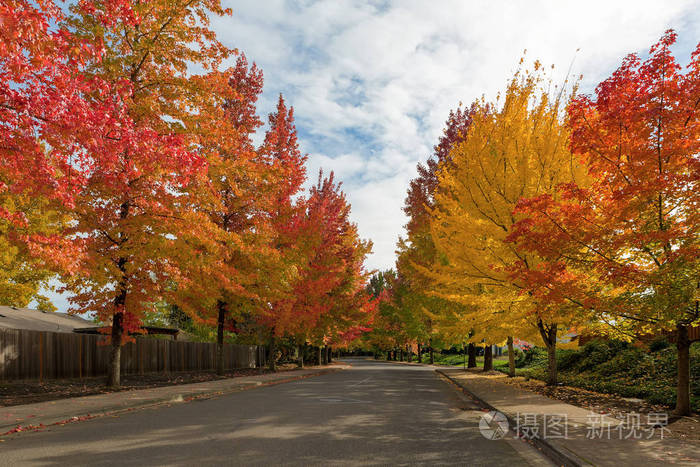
<point x="373" y="413"/>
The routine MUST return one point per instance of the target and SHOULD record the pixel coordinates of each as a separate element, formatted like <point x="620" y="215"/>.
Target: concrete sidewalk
<point x="576" y="435"/>
<point x="31" y="416"/>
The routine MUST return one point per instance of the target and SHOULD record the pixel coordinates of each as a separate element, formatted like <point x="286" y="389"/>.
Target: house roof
<point x="34" y="320"/>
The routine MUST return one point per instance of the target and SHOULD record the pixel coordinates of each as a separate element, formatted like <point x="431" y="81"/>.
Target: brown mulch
<point x="686" y="428"/>
<point x="29" y="392"/>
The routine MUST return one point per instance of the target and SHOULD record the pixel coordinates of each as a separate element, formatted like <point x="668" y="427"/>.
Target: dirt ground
<point x="28" y="392"/>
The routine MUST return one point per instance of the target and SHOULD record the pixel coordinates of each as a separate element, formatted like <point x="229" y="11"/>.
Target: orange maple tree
<point x="281" y="150"/>
<point x="345" y="308"/>
<point x="327" y="304"/>
<point x="229" y="260"/>
<point x="129" y="211"/>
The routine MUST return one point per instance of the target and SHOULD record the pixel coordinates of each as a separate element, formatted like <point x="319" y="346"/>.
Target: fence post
<point x="80" y="357"/>
<point x="41" y="356"/>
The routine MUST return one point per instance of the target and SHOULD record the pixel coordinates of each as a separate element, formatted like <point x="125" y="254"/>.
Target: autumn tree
<point x="329" y="304"/>
<point x="627" y="245"/>
<point x="291" y="228"/>
<point x="514" y="149"/>
<point x="138" y="180"/>
<point x="129" y="212"/>
<point x="230" y="261"/>
<point x="389" y="329"/>
<point x="418" y="306"/>
<point x="407" y="314"/>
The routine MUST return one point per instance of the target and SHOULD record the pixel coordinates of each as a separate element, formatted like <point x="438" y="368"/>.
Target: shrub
<point x="533" y="356"/>
<point x="516" y="352"/>
<point x="568" y="359"/>
<point x="623" y="362"/>
<point x="659" y="343"/>
<point x="599" y="351"/>
<point x="617" y="368"/>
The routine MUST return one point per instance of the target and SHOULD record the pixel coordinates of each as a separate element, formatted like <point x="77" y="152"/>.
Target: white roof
<point x="34" y="320"/>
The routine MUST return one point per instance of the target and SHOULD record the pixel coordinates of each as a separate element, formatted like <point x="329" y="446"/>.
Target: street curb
<point x="552" y="452"/>
<point x="39" y="423"/>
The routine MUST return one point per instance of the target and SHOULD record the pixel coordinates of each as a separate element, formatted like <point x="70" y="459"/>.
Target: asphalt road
<point x="373" y="413"/>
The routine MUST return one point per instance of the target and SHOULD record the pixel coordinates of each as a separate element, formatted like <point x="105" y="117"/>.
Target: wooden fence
<point x="28" y="355"/>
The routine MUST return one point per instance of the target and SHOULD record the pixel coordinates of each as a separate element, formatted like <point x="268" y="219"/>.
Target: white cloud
<point x="373" y="82"/>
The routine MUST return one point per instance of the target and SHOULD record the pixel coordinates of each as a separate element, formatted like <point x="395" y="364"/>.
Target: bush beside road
<point x="619" y="368"/>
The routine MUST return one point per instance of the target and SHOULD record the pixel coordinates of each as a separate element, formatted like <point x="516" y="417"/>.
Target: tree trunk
<point x="401" y="354"/>
<point x="319" y="358"/>
<point x="511" y="357"/>
<point x="113" y="377"/>
<point x="471" y="362"/>
<point x="420" y="353"/>
<point x="488" y="358"/>
<point x="272" y="364"/>
<point x="300" y="360"/>
<point x="220" y="338"/>
<point x="549" y="336"/>
<point x="330" y="355"/>
<point x="408" y="354"/>
<point x="115" y="361"/>
<point x="683" y="389"/>
<point x="552" y="364"/>
<point x="432" y="354"/>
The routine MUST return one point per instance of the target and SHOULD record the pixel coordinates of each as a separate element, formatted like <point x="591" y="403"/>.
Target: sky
<point x="372" y="82"/>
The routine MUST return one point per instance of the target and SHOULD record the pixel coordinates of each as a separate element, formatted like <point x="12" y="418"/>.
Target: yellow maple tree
<point x="514" y="149"/>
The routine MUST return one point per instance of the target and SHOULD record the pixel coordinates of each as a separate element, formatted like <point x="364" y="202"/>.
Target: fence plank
<point x="26" y="355"/>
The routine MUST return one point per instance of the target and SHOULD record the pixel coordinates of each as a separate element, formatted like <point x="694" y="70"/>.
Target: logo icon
<point x="493" y="425"/>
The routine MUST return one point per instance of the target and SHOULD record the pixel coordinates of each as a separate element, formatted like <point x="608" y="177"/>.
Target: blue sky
<point x="372" y="82"/>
